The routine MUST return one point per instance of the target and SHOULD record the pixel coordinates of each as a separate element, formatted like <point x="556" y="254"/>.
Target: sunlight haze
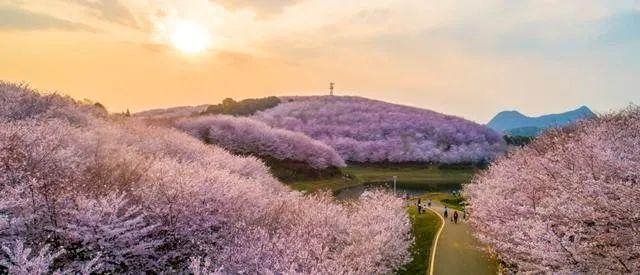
<point x="467" y="58"/>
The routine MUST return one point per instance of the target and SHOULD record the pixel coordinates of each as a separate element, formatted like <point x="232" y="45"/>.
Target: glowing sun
<point x="189" y="37"/>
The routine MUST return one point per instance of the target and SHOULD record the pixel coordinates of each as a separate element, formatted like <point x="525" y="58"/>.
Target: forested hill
<point x="365" y="130"/>
<point x="228" y="106"/>
<point x="361" y="129"/>
<point x="84" y="192"/>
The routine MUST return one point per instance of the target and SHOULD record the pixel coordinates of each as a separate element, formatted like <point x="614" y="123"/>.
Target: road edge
<point x="434" y="246"/>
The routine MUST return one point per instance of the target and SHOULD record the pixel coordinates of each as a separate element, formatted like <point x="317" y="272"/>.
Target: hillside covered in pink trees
<point x="251" y="137"/>
<point x="364" y="130"/>
<point x="82" y="191"/>
<point x="568" y="202"/>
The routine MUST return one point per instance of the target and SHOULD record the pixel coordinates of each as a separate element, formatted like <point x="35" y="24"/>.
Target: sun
<point x="189" y="37"/>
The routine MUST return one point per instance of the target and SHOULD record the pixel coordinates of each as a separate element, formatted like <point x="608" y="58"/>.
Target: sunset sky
<point x="466" y="58"/>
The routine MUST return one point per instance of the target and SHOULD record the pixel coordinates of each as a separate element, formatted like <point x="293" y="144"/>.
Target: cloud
<point x="263" y="8"/>
<point x="620" y="28"/>
<point x="155" y="47"/>
<point x="233" y="58"/>
<point x="23" y="20"/>
<point x="111" y="11"/>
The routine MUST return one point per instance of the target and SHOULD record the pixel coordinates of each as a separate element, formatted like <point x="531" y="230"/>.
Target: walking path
<point x="456" y="251"/>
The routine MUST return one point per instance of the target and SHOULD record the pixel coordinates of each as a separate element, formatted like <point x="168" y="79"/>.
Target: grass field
<point x="330" y="184"/>
<point x="410" y="176"/>
<point x="424" y="227"/>
<point x="421" y="177"/>
<point x="451" y="201"/>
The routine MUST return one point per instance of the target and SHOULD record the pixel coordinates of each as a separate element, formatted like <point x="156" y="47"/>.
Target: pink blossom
<point x="567" y="203"/>
<point x="364" y="130"/>
<point x="19" y="259"/>
<point x="248" y="136"/>
<point x="125" y="197"/>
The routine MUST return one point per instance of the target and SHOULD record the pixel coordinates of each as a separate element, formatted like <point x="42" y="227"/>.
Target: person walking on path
<point x="419" y="206"/>
<point x="446" y="212"/>
<point x="455" y="216"/>
<point x="429" y="204"/>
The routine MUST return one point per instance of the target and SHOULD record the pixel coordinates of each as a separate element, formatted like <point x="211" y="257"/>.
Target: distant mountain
<point x="515" y="123"/>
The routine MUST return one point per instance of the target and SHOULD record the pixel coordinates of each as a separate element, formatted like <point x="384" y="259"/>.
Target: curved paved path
<point x="457" y="251"/>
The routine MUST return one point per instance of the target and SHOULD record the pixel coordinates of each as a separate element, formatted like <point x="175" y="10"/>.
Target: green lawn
<point x="410" y="176"/>
<point x="331" y="184"/>
<point x="451" y="201"/>
<point x="424" y="227"/>
<point x="410" y="173"/>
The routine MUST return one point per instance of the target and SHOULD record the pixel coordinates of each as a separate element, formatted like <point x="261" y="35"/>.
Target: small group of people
<point x="420" y="205"/>
<point x="454" y="217"/>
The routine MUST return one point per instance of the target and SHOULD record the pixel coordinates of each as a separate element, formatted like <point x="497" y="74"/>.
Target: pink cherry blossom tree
<point x="20" y="259"/>
<point x="364" y="130"/>
<point x="248" y="136"/>
<point x="124" y="197"/>
<point x="567" y="203"/>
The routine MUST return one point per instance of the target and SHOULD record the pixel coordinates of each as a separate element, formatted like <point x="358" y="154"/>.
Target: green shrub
<point x="242" y="108"/>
